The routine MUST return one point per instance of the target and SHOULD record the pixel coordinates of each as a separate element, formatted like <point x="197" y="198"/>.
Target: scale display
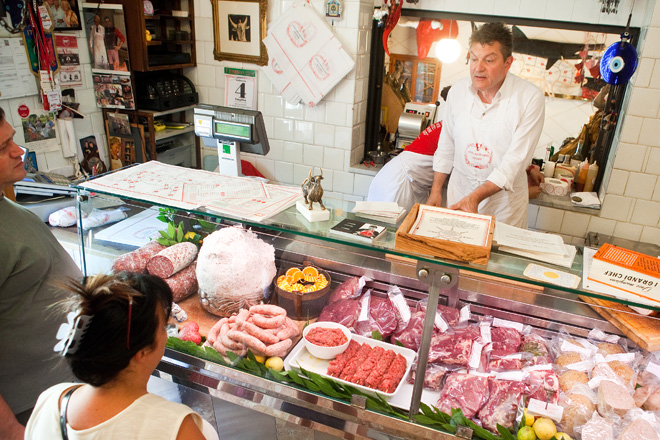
<point x="233" y="130"/>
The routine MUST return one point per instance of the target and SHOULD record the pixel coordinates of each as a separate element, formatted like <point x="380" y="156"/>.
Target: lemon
<point x="275" y="362"/>
<point x="189" y="235"/>
<point x="529" y="419"/>
<point x="544" y="428"/>
<point x="261" y="359"/>
<point x="562" y="436"/>
<point x="526" y="433"/>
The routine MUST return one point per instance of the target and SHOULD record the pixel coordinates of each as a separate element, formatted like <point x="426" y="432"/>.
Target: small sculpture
<point x="312" y="190"/>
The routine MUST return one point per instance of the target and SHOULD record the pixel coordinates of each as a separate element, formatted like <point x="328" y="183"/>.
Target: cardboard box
<point x="443" y="248"/>
<point x="636" y="276"/>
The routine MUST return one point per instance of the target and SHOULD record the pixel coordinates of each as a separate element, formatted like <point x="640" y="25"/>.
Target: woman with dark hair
<point x="114" y="340"/>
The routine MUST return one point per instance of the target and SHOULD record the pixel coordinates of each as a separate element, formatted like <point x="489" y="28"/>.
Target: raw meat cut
<point x="376" y="375"/>
<point x="365" y="368"/>
<point x="453" y="348"/>
<point x="349" y="289"/>
<point x="337" y="364"/>
<point x="466" y="392"/>
<point x="411" y="335"/>
<point x="504" y="341"/>
<point x="502" y="404"/>
<point x="344" y="311"/>
<point x="542" y="385"/>
<point x="394" y="374"/>
<point x="354" y="363"/>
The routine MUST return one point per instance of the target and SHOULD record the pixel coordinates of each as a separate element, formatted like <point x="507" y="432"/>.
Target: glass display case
<point x="498" y="290"/>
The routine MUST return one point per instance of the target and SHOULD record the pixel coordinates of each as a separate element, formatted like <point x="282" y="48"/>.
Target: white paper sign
<point x="241" y="91"/>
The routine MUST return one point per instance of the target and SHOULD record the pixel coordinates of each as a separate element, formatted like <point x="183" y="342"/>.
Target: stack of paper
<point x="535" y="245"/>
<point x="387" y="212"/>
<point x="305" y="58"/>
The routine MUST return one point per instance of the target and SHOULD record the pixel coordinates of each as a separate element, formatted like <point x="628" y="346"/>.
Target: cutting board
<point x="642" y="330"/>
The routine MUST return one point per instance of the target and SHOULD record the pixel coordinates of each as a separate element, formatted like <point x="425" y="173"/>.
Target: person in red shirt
<point x="113" y="42"/>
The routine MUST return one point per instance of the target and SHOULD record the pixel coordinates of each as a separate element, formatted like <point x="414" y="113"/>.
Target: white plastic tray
<point x="400" y="398"/>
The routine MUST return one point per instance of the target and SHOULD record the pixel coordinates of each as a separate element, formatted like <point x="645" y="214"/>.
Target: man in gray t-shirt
<point x="31" y="259"/>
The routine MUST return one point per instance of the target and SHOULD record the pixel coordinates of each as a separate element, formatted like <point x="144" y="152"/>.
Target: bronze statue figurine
<point x="312" y="190"/>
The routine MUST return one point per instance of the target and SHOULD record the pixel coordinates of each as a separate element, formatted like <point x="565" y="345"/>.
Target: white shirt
<point x="491" y="142"/>
<point x="148" y="417"/>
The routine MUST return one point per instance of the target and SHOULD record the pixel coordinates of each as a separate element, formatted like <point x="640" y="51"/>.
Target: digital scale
<point x="231" y="130"/>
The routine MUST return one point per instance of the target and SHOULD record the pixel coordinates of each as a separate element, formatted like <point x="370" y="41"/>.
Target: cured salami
<point x="183" y="283"/>
<point x="172" y="259"/>
<point x="137" y="260"/>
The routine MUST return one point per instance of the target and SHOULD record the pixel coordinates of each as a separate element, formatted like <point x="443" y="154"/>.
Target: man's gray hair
<point x="489" y="33"/>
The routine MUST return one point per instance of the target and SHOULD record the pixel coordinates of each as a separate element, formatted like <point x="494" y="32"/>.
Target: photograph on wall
<point x="113" y="91"/>
<point x="69" y="56"/>
<point x="39" y="127"/>
<point x="91" y="163"/>
<point x="30" y="162"/>
<point x="118" y="124"/>
<point x="126" y="149"/>
<point x="65" y="14"/>
<point x="106" y="33"/>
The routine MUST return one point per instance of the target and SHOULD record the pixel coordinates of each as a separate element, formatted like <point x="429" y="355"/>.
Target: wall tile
<point x="293" y="151"/>
<point x="361" y="185"/>
<point x="345" y="91"/>
<point x="616" y="207"/>
<point x="655" y="18"/>
<point x="265" y="167"/>
<point x="649" y="132"/>
<point x="506" y="8"/>
<point x="316" y="113"/>
<point x="646" y="213"/>
<point x="293" y="111"/>
<point x="651" y="48"/>
<point x="324" y="135"/>
<point x="549" y="219"/>
<point x="304" y="132"/>
<point x="205" y="75"/>
<point x="284" y="172"/>
<point x="644" y="102"/>
<point x="601" y="225"/>
<point x="313" y="155"/>
<point x="203" y="9"/>
<point x="203" y="29"/>
<point x="630" y="131"/>
<point x="300" y="173"/>
<point x="276" y="149"/>
<point x="334" y="158"/>
<point x="584" y="12"/>
<point x="627" y="231"/>
<point x="617" y="182"/>
<point x="629" y="157"/>
<point x="283" y="128"/>
<point x="343" y="182"/>
<point x="652" y="165"/>
<point x="480" y="6"/>
<point x="557" y="9"/>
<point x="273" y="106"/>
<point x="535" y="9"/>
<point x="650" y="235"/>
<point x="335" y="113"/>
<point x="642" y="76"/>
<point x="640" y="186"/>
<point x="575" y="224"/>
<point x="353" y="198"/>
<point x="343" y="137"/>
<point x="656" y="192"/>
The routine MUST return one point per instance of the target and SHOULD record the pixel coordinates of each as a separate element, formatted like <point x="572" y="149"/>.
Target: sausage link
<point x="279" y="348"/>
<point x="242" y="316"/>
<point x="247" y="339"/>
<point x="265" y="321"/>
<point x="267" y="309"/>
<point x="227" y="341"/>
<point x="215" y="330"/>
<point x="261" y="334"/>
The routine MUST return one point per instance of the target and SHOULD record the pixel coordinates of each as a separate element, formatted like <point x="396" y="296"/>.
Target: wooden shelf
<point x="166" y="17"/>
<point x="171" y="132"/>
<point x="154" y="43"/>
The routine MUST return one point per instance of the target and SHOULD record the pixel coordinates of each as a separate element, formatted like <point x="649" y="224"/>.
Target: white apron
<point x="480" y="144"/>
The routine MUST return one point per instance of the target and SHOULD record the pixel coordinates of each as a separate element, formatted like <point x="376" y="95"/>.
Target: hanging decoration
<point x="609" y="6"/>
<point x="619" y="61"/>
<point x="429" y="31"/>
<point x="391" y="19"/>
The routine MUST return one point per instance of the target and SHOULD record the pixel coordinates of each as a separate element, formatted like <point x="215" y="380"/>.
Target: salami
<point x="137" y="260"/>
<point x="183" y="283"/>
<point x="172" y="259"/>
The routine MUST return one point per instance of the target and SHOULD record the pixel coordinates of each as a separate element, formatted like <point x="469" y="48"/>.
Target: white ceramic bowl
<point x="326" y="352"/>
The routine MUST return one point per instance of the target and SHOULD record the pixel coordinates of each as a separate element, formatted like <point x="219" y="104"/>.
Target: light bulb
<point x="447" y="50"/>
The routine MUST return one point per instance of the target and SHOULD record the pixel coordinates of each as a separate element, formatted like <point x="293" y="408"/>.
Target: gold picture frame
<point x="239" y="27"/>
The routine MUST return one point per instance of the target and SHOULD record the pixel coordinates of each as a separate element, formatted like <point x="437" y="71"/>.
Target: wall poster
<point x="106" y="33"/>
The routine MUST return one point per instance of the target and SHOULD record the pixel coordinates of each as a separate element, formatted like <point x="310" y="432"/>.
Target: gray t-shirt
<point x="31" y="259"/>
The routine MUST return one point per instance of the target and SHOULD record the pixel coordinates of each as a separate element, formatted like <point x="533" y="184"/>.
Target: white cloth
<point x="493" y="142"/>
<point x="406" y="180"/>
<point x="97" y="47"/>
<point x="149" y="417"/>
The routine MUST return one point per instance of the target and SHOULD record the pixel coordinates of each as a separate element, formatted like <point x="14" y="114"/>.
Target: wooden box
<point x="475" y="250"/>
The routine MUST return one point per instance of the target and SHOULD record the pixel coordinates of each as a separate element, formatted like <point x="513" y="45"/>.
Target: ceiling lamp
<point x="447" y="50"/>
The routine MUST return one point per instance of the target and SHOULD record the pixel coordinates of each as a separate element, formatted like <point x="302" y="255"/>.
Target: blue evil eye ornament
<point x="619" y="61"/>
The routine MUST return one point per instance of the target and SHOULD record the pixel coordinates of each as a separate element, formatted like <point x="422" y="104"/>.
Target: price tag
<point x="538" y="408"/>
<point x="653" y="368"/>
<point x="497" y="322"/>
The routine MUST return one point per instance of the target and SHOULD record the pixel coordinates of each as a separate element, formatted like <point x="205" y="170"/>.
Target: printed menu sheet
<point x="191" y="189"/>
<point x="447" y="224"/>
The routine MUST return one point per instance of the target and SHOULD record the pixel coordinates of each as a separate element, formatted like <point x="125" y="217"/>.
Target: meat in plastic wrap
<point x="597" y="428"/>
<point x="235" y="270"/>
<point x="136" y="261"/>
<point x="344" y="311"/>
<point x="504" y="341"/>
<point x="542" y="385"/>
<point x="638" y="425"/>
<point x="349" y="289"/>
<point x="613" y="399"/>
<point x="647" y="396"/>
<point x="432" y="377"/>
<point x="466" y="392"/>
<point x="537" y="346"/>
<point x="578" y="408"/>
<point x="502" y="405"/>
<point x="410" y="336"/>
<point x="616" y="371"/>
<point x="453" y="347"/>
<point x="401" y="308"/>
<point x="380" y="316"/>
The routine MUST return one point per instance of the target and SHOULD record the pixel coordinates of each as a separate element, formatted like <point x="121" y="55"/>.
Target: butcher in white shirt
<point x="492" y="123"/>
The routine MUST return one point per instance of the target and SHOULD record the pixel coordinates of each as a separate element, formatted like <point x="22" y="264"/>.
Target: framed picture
<point x="239" y="26"/>
<point x="106" y="34"/>
<point x="65" y="14"/>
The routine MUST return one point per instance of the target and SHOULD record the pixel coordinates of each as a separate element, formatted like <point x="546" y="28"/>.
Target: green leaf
<point x="396" y="342"/>
<point x="324" y="386"/>
<point x="311" y="385"/>
<point x="164" y="234"/>
<point x="162" y="218"/>
<point x="279" y="376"/>
<point x="296" y="377"/>
<point x="421" y="418"/>
<point x="449" y="428"/>
<point x="376" y="335"/>
<point x="162" y="241"/>
<point x="179" y="232"/>
<point x="171" y="230"/>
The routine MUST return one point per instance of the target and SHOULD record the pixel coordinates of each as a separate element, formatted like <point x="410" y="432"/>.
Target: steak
<point x="502" y="405"/>
<point x="466" y="392"/>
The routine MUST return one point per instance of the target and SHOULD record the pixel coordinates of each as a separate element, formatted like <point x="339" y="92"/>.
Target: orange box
<point x="638" y="275"/>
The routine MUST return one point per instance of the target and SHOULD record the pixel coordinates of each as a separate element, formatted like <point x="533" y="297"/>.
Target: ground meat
<point x="337" y="364"/>
<point x="376" y="375"/>
<point x="326" y="337"/>
<point x="363" y="371"/>
<point x="394" y="375"/>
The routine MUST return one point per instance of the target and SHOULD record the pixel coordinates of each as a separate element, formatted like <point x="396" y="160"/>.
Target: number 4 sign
<point x="240" y="88"/>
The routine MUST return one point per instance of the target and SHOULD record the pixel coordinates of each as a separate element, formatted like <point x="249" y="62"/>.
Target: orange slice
<point x="297" y="276"/>
<point x="311" y="271"/>
<point x="291" y="271"/>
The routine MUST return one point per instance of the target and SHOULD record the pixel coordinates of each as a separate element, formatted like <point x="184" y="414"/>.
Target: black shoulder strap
<point x="63" y="406"/>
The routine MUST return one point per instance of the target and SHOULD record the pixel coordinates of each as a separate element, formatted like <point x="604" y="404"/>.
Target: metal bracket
<point x="359" y="401"/>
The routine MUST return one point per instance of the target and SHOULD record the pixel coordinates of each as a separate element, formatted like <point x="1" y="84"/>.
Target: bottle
<point x="582" y="148"/>
<point x="591" y="177"/>
<point x="582" y="176"/>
